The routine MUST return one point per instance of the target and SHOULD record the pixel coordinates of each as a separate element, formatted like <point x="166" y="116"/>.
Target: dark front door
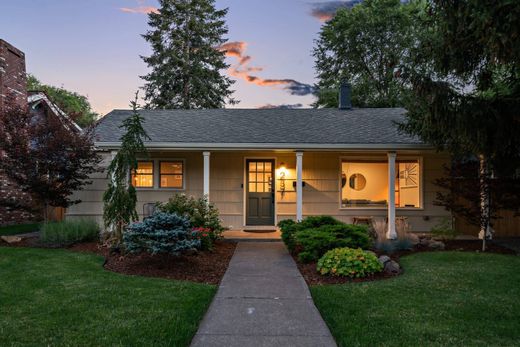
<point x="260" y="192"/>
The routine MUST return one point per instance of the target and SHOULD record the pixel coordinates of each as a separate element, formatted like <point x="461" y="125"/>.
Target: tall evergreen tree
<point x="187" y="64"/>
<point x="120" y="199"/>
<point x="469" y="101"/>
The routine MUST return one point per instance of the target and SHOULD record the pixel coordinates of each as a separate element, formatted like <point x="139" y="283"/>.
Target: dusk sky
<point x="93" y="46"/>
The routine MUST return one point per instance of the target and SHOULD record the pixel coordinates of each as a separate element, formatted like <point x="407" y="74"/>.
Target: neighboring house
<point x="260" y="166"/>
<point x="13" y="87"/>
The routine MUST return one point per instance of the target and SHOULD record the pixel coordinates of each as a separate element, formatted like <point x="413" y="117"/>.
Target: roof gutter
<point x="272" y="146"/>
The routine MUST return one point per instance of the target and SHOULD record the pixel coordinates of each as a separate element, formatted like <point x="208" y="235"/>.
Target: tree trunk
<point x="485" y="231"/>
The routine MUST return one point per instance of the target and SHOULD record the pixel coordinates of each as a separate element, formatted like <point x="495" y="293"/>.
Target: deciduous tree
<point x="45" y="155"/>
<point x="367" y="46"/>
<point x="73" y="104"/>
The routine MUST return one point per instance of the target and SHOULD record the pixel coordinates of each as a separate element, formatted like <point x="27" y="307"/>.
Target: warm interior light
<point x="282" y="170"/>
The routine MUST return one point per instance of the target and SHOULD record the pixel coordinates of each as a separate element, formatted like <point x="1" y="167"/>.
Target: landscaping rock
<point x="392" y="267"/>
<point x="11" y="239"/>
<point x="436" y="245"/>
<point x="383" y="259"/>
<point x="424" y="241"/>
<point x="414" y="239"/>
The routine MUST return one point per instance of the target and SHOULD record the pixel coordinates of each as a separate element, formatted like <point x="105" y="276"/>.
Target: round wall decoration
<point x="357" y="181"/>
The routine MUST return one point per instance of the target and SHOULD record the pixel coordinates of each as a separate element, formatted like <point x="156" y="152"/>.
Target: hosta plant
<point x="349" y="262"/>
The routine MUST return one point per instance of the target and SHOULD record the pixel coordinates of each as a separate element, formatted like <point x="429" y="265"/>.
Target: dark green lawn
<point x="442" y="299"/>
<point x="19" y="229"/>
<point x="63" y="298"/>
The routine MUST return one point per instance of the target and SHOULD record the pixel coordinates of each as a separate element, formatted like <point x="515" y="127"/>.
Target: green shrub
<point x="69" y="232"/>
<point x="288" y="228"/>
<point x="161" y="233"/>
<point x="318" y="221"/>
<point x="313" y="243"/>
<point x="444" y="230"/>
<point x="200" y="212"/>
<point x="349" y="262"/>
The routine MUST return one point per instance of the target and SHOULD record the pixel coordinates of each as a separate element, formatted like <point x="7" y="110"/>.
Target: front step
<point x="244" y="236"/>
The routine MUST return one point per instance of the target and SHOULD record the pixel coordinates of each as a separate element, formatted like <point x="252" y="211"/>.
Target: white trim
<point x="206" y="173"/>
<point x="299" y="186"/>
<point x="244" y="190"/>
<point x="384" y="147"/>
<point x="57" y="111"/>
<point x="157" y="173"/>
<point x="391" y="233"/>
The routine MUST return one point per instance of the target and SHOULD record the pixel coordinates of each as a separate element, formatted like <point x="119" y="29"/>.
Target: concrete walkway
<point x="262" y="301"/>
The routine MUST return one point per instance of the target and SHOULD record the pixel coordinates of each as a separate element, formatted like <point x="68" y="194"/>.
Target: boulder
<point x="11" y="239"/>
<point x="383" y="259"/>
<point x="424" y="241"/>
<point x="436" y="245"/>
<point x="414" y="239"/>
<point x="392" y="267"/>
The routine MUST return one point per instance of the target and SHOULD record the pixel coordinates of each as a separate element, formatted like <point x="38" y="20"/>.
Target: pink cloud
<point x="139" y="9"/>
<point x="242" y="70"/>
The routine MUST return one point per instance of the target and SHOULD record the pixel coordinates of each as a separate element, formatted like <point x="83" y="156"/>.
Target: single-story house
<point x="260" y="166"/>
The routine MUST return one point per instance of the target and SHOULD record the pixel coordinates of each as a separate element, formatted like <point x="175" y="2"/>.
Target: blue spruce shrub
<point x="161" y="233"/>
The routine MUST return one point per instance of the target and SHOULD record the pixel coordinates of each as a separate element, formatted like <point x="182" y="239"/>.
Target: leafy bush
<point x="349" y="262"/>
<point x="161" y="233"/>
<point x="69" y="232"/>
<point x="444" y="230"/>
<point x="289" y="227"/>
<point x="206" y="237"/>
<point x="200" y="212"/>
<point x="316" y="241"/>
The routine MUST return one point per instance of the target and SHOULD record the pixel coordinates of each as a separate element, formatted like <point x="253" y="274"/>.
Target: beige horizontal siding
<point x="321" y="194"/>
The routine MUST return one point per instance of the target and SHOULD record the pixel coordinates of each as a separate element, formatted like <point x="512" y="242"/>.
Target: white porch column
<point x="205" y="184"/>
<point x="299" y="186"/>
<point x="391" y="234"/>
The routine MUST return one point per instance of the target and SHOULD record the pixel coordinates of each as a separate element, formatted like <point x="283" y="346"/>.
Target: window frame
<point x="160" y="187"/>
<point x="152" y="174"/>
<point x="157" y="177"/>
<point x="378" y="159"/>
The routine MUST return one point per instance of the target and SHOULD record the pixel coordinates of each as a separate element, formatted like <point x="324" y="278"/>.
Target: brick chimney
<point x="13" y="79"/>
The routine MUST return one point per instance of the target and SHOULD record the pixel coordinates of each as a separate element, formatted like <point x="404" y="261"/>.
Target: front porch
<point x="279" y="185"/>
<point x="256" y="189"/>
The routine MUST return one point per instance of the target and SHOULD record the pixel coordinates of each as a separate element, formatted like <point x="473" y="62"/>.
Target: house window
<point x="143" y="175"/>
<point x="365" y="184"/>
<point x="171" y="174"/>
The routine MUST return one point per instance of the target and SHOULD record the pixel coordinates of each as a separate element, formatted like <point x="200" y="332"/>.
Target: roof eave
<point x="273" y="146"/>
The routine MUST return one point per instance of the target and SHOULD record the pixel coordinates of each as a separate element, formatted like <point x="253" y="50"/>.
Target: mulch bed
<point x="312" y="277"/>
<point x="203" y="267"/>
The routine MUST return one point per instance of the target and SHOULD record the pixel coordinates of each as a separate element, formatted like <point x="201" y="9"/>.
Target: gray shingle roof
<point x="372" y="126"/>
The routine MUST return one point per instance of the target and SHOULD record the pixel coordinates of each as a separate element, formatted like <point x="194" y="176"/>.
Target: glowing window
<point x="143" y="175"/>
<point x="365" y="184"/>
<point x="171" y="174"/>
